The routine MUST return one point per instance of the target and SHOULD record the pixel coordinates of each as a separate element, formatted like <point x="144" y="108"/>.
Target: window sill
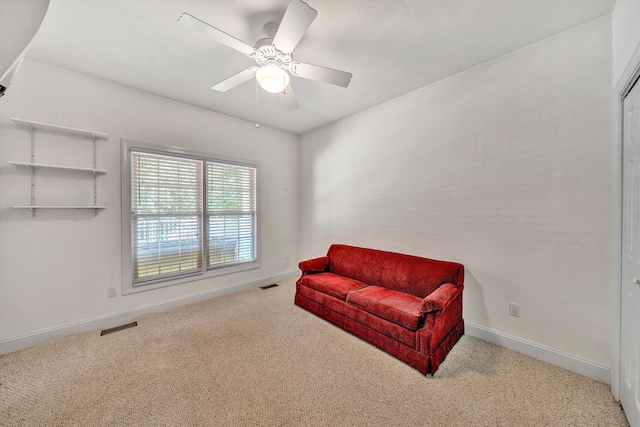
<point x="129" y="288"/>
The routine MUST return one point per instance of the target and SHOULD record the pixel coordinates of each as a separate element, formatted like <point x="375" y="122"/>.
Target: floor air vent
<point x="118" y="328"/>
<point x="268" y="286"/>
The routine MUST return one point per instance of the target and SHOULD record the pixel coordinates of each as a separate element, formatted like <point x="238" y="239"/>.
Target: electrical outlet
<point x="514" y="309"/>
<point x="111" y="291"/>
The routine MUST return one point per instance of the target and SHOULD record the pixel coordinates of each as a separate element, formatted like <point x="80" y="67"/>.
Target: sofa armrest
<point x="316" y="265"/>
<point x="439" y="299"/>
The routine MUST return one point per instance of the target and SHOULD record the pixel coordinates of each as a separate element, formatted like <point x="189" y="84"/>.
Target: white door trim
<point x="628" y="77"/>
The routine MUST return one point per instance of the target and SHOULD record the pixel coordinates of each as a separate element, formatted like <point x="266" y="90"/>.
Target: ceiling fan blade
<point x="235" y="80"/>
<point x="321" y="74"/>
<point x="288" y="99"/>
<point x="297" y="18"/>
<point x="214" y="33"/>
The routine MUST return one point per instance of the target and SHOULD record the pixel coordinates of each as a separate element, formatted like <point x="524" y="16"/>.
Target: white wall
<point x="55" y="268"/>
<point x="626" y="34"/>
<point x="504" y="167"/>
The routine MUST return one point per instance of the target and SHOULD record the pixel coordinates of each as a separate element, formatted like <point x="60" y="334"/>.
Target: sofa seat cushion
<point x="332" y="284"/>
<point x="395" y="306"/>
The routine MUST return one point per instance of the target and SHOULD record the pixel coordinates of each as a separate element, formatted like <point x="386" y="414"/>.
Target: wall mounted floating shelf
<point x="59" y="207"/>
<point x="91" y="135"/>
<point x="55" y="128"/>
<point x="69" y="168"/>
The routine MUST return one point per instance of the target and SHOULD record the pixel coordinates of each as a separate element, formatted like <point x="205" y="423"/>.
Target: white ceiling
<point x="390" y="46"/>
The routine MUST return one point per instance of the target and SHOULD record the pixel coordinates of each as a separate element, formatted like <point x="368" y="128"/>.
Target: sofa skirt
<point x="424" y="363"/>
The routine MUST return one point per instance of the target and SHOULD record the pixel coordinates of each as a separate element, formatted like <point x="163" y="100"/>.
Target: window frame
<point x="128" y="285"/>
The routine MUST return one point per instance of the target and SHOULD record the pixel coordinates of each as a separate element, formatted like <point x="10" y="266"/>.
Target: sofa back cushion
<point x="353" y="262"/>
<point x="415" y="275"/>
<point x="405" y="273"/>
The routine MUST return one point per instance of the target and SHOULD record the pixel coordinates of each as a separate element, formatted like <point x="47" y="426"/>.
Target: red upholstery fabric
<point x="440" y="298"/>
<point x="398" y="307"/>
<point x="438" y="324"/>
<point x="408" y="306"/>
<point x="407" y="354"/>
<point x="371" y="335"/>
<point x="355" y="263"/>
<point x="385" y="327"/>
<point x="415" y="275"/>
<point x="314" y="265"/>
<point x="332" y="284"/>
<point x="440" y="353"/>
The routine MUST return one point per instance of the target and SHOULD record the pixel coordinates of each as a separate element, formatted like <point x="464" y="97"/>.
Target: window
<point x="187" y="214"/>
<point x="231" y="213"/>
<point x="166" y="202"/>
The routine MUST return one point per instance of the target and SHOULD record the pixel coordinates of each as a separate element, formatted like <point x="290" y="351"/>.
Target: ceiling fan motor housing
<point x="266" y="53"/>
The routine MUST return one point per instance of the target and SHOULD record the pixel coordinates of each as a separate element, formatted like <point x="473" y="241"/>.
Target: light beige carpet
<point x="254" y="359"/>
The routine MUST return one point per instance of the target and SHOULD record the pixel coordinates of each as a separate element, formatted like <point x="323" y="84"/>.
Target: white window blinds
<point x="231" y="214"/>
<point x="167" y="212"/>
<point x="190" y="215"/>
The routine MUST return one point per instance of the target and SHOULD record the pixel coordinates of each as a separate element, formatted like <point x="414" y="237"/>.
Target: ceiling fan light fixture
<point x="273" y="54"/>
<point x="272" y="78"/>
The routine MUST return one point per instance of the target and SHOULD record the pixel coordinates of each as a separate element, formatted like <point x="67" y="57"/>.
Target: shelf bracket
<point x="33" y="170"/>
<point x="95" y="176"/>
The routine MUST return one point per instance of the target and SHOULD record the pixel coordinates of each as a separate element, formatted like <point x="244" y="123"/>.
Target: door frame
<point x="625" y="83"/>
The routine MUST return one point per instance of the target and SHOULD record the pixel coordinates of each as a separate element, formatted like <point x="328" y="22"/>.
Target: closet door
<point x="630" y="289"/>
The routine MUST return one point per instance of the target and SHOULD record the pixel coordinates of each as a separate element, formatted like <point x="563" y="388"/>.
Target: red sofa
<point x="408" y="306"/>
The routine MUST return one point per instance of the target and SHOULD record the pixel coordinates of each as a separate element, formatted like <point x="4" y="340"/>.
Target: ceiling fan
<point x="273" y="54"/>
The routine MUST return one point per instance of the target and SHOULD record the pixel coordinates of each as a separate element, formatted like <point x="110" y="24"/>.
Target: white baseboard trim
<point x="46" y="335"/>
<point x="566" y="361"/>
